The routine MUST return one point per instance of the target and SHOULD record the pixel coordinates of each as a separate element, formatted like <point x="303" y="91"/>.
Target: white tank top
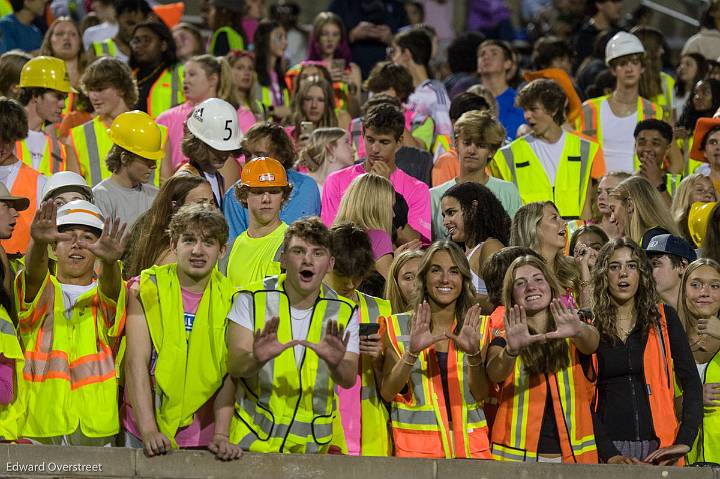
<point x="477" y="281"/>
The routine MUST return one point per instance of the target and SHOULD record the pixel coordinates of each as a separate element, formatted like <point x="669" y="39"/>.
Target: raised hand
<point x="517" y="334"/>
<point x="43" y="228"/>
<point x="110" y="246"/>
<point x="266" y="345"/>
<point x="332" y="346"/>
<point x="567" y="322"/>
<point x="420" y="336"/>
<point x="585" y="257"/>
<point x="709" y="326"/>
<point x="468" y="340"/>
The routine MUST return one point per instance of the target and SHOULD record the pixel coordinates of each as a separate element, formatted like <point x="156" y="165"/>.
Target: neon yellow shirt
<point x="254" y="259"/>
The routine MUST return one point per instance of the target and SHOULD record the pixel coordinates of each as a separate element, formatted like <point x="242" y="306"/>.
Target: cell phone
<point x="368" y="329"/>
<point x="338" y="64"/>
<point x="306" y="127"/>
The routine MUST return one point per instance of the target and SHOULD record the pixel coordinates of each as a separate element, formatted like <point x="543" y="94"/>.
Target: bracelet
<point x="473" y="365"/>
<point x="221" y="434"/>
<point x="414" y="356"/>
<point x="408" y="362"/>
<point x="473" y="355"/>
<point x="509" y="354"/>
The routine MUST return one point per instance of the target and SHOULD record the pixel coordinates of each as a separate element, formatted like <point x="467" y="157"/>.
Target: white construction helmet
<point x="621" y="44"/>
<point x="80" y="212"/>
<point x="215" y="122"/>
<point x="67" y="180"/>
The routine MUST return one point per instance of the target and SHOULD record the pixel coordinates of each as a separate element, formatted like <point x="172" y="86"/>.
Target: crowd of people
<point x="377" y="237"/>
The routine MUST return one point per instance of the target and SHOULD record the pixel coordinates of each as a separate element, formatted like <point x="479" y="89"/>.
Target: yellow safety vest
<point x="665" y="99"/>
<point x="518" y="163"/>
<point x="5" y="8"/>
<point x="92" y="143"/>
<point x="266" y="98"/>
<point x="167" y="91"/>
<point x="187" y="371"/>
<point x="374" y="437"/>
<point x="54" y="157"/>
<point x="284" y="408"/>
<point x="69" y="371"/>
<point x="235" y="40"/>
<point x="105" y="48"/>
<point x="12" y="414"/>
<point x="707" y="443"/>
<point x="420" y="422"/>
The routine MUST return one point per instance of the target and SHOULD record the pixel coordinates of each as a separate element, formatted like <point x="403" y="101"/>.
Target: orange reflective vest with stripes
<point x="518" y="163"/>
<point x="660" y="381"/>
<point x="12" y="414"/>
<point x="285" y="407"/>
<point x="166" y="92"/>
<point x="521" y="407"/>
<point x="54" y="156"/>
<point x="28" y="183"/>
<point x="420" y="422"/>
<point x="588" y="122"/>
<point x="69" y="373"/>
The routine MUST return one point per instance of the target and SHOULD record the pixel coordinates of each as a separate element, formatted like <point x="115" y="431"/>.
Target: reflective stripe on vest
<point x="106" y="48"/>
<point x="707" y="444"/>
<point x="70" y="360"/>
<point x="374" y="415"/>
<point x="284" y="408"/>
<point x="53" y="159"/>
<point x="25" y="185"/>
<point x="92" y="144"/>
<point x="423" y="417"/>
<point x="522" y="403"/>
<point x="518" y="163"/>
<point x="166" y="92"/>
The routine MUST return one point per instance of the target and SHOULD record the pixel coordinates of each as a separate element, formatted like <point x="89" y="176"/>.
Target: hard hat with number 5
<point x="621" y="44"/>
<point x="215" y="122"/>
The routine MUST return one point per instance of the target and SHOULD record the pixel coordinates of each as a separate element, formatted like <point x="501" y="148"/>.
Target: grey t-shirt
<point x="117" y="201"/>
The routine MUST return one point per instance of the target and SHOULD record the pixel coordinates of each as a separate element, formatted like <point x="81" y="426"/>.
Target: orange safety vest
<point x="420" y="422"/>
<point x="659" y="379"/>
<point x="26" y="186"/>
<point x="516" y="430"/>
<point x="54" y="157"/>
<point x="495" y="324"/>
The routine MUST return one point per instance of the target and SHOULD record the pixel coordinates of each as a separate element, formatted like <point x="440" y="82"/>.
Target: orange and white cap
<point x="80" y="212"/>
<point x="263" y="172"/>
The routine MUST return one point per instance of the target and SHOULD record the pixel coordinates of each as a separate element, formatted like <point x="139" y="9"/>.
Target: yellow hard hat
<point x="698" y="220"/>
<point x="138" y="133"/>
<point x="45" y="72"/>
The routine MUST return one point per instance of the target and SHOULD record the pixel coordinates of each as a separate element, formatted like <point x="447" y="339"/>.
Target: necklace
<point x="148" y="76"/>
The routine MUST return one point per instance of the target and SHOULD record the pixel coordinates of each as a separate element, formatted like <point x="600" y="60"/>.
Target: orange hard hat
<point x="263" y="172"/>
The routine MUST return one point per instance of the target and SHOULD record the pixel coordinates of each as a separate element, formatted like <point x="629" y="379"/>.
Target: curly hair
<point x="201" y="218"/>
<point x="484" y="216"/>
<point x="310" y="229"/>
<point x="493" y="272"/>
<point x="690" y="115"/>
<point x="110" y="72"/>
<point x="646" y="298"/>
<point x="467" y="291"/>
<point x="541" y="357"/>
<point x="547" y="93"/>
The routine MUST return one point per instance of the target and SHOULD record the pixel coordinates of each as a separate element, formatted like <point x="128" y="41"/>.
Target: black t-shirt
<point x="443" y="362"/>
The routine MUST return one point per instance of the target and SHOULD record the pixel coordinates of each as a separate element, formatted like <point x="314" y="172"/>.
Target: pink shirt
<point x="174" y="120"/>
<point x="415" y="192"/>
<point x="350" y="406"/>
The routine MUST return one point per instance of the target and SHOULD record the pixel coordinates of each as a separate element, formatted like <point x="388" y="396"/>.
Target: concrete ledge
<point x="24" y="461"/>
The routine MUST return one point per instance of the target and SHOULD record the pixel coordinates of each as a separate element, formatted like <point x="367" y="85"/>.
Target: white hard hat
<point x="64" y="179"/>
<point x="621" y="44"/>
<point x="80" y="212"/>
<point x="215" y="122"/>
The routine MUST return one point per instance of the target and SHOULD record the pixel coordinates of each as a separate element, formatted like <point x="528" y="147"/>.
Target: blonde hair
<point x="367" y="202"/>
<point x="252" y="94"/>
<point x="481" y="128"/>
<point x="538" y="358"/>
<point x="523" y="232"/>
<point x="392" y="288"/>
<point x="687" y="319"/>
<point x="682" y="201"/>
<point x="314" y="154"/>
<point x="647" y="212"/>
<point x="217" y="66"/>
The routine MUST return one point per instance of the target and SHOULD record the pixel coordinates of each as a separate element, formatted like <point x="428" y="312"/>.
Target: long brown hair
<point x="646" y="297"/>
<point x="46" y="47"/>
<point x="392" y="287"/>
<point x="541" y="357"/>
<point x="149" y="238"/>
<point x="329" y="118"/>
<point x="646" y="213"/>
<point x="467" y="292"/>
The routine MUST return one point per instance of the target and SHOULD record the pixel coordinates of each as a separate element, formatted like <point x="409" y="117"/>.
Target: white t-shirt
<point x="549" y="154"/>
<point x="71" y="293"/>
<point x="36" y="145"/>
<point x="212" y="179"/>
<point x="618" y="142"/>
<point x="242" y="313"/>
